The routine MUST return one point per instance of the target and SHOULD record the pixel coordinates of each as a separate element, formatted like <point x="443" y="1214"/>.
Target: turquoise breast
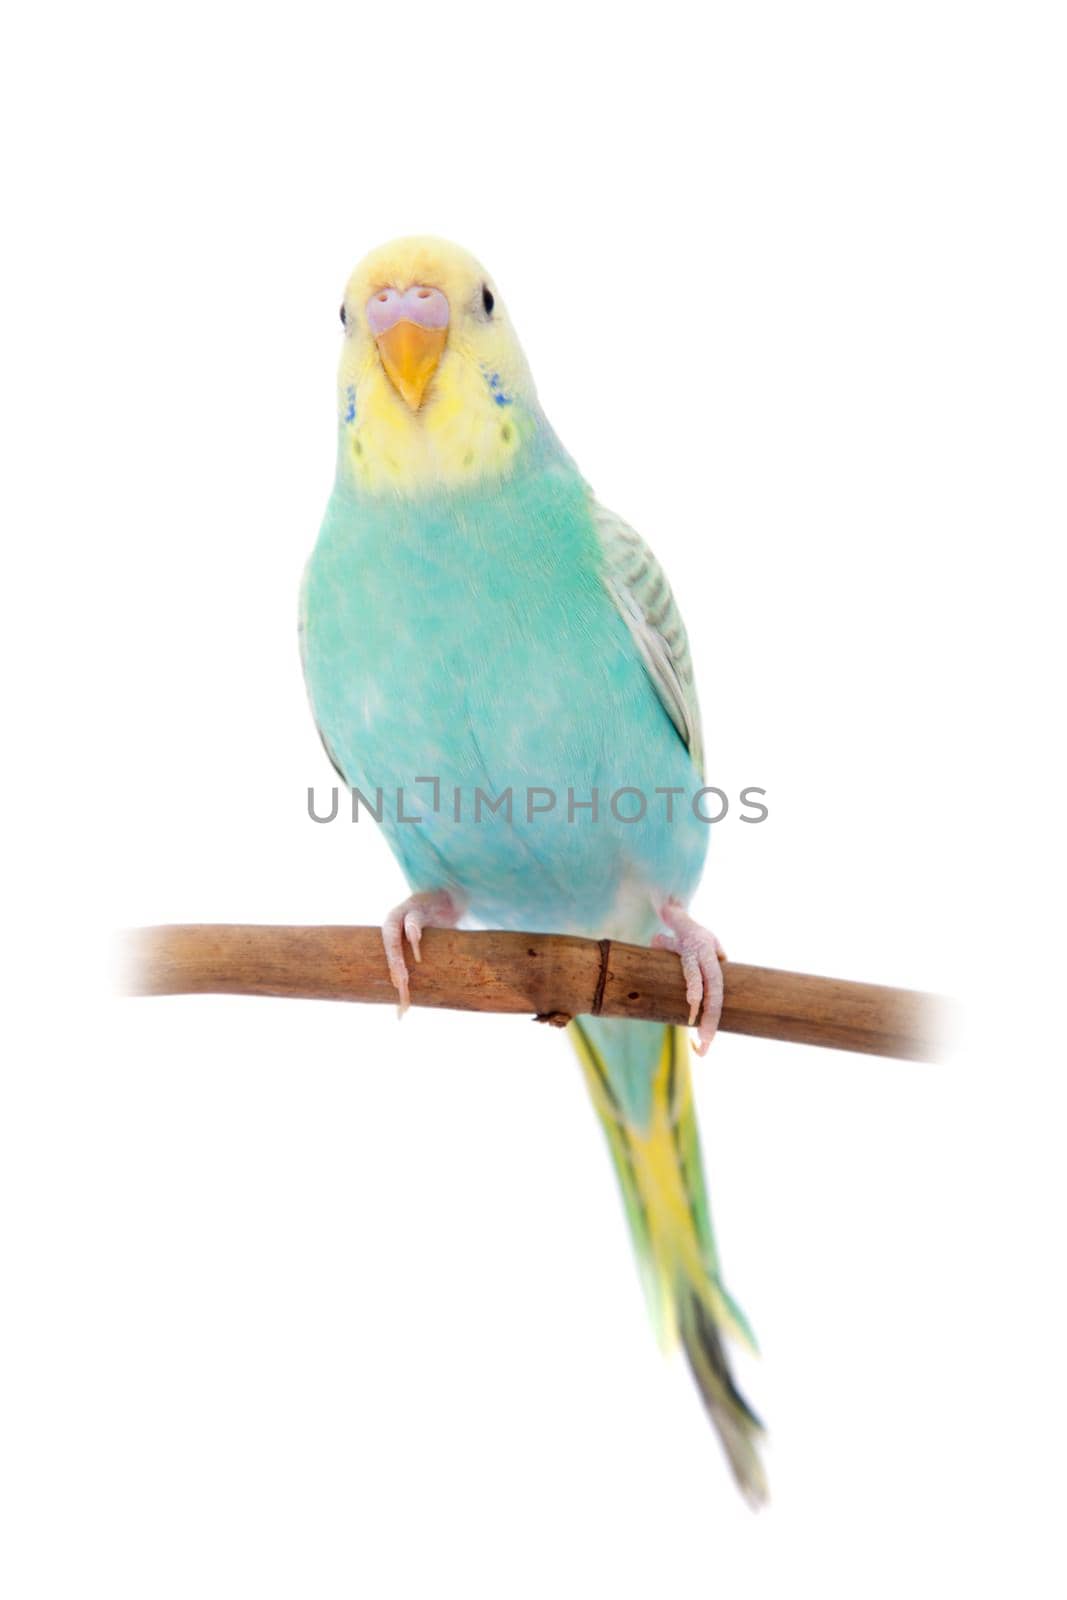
<point x="473" y="678"/>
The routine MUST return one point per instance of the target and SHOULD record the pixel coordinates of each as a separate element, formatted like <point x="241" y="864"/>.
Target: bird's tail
<point x="661" y="1176"/>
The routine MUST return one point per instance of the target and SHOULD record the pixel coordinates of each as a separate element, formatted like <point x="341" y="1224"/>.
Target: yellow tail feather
<point x="662" y="1182"/>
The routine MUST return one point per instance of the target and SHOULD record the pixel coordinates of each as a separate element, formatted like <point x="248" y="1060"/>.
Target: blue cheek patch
<point x="350" y="396"/>
<point x="496" y="388"/>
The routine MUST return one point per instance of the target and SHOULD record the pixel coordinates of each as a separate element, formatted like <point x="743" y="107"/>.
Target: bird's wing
<point x="638" y="585"/>
<point x="301" y="635"/>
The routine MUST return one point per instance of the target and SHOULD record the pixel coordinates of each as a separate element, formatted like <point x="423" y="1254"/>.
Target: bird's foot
<point x="701" y="956"/>
<point x="433" y="909"/>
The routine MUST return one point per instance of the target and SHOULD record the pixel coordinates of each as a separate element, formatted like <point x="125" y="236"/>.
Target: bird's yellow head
<point x="433" y="386"/>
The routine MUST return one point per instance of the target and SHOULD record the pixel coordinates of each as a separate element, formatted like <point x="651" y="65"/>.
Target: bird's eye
<point x="488" y="300"/>
<point x="344" y="317"/>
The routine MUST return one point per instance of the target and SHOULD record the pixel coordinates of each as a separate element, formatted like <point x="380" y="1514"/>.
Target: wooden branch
<point x="553" y="976"/>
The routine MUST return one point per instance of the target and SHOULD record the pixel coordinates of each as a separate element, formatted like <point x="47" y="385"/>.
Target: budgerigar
<point x="497" y="664"/>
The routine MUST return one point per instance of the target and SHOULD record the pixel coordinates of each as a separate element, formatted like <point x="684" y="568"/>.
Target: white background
<point x="300" y="1302"/>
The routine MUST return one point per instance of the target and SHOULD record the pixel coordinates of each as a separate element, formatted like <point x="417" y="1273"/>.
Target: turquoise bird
<point x="497" y="666"/>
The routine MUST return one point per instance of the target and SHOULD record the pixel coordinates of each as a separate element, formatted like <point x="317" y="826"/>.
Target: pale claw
<point x="433" y="909"/>
<point x="701" y="956"/>
<point x="413" y="932"/>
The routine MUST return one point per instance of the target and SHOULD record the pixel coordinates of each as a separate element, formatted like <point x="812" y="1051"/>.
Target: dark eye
<point x="488" y="300"/>
<point x="344" y="317"/>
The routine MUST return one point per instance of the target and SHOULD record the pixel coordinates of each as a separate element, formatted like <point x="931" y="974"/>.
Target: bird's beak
<point x="410" y="355"/>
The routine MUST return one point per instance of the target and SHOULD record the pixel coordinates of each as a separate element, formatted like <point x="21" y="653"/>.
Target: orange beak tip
<point x="410" y="355"/>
